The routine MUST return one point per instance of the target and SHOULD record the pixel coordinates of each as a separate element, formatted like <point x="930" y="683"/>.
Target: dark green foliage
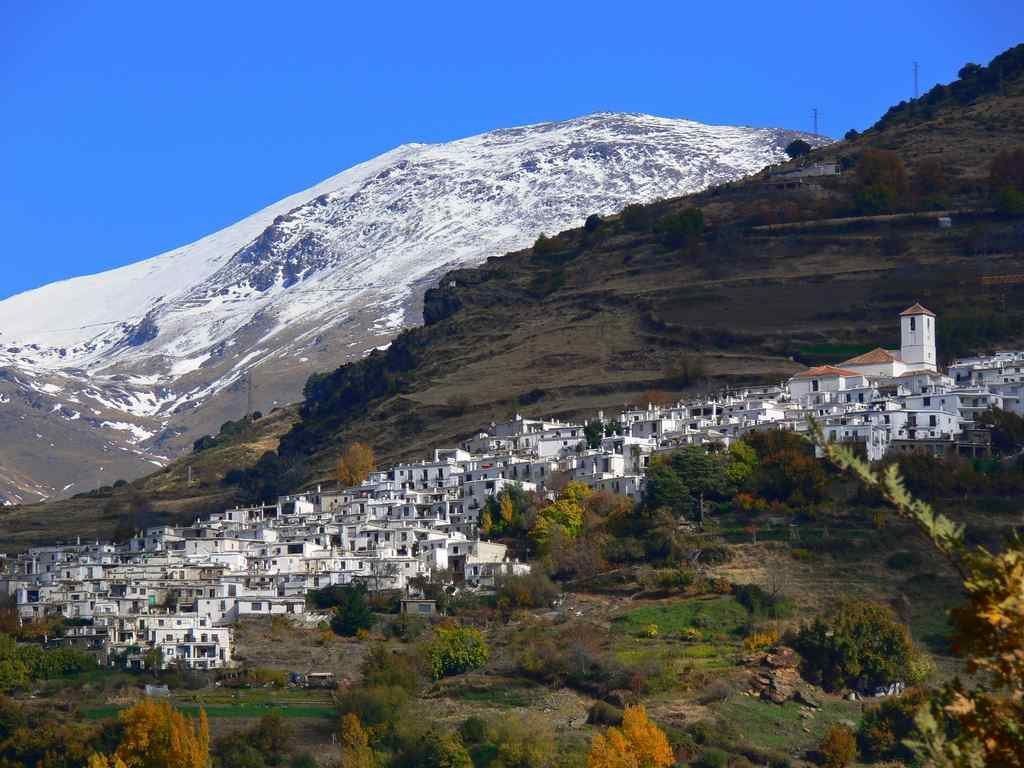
<point x="603" y="713"/>
<point x="266" y="480"/>
<point x="665" y="488"/>
<point x="681" y="229"/>
<point x="473" y="730"/>
<point x="797" y="148"/>
<point x="859" y="644"/>
<point x="1007" y="430"/>
<point x="688" y="476"/>
<point x="761" y="604"/>
<point x="434" y="750"/>
<point x="851" y="134"/>
<point x="974" y="81"/>
<point x="593" y="223"/>
<point x="594" y="432"/>
<point x="352" y="611"/>
<point x="884" y="727"/>
<point x="636" y="218"/>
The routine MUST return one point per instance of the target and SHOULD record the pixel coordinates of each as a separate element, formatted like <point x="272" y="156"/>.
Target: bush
<point x="860" y="643"/>
<point x="530" y="590"/>
<point x="797" y="148"/>
<point x="712" y="758"/>
<point x="455" y="650"/>
<point x="593" y="223"/>
<point x="884" y="727"/>
<point x="352" y="612"/>
<point x="761" y="604"/>
<point x="838" y="748"/>
<point x="473" y="730"/>
<point x="603" y="713"/>
<point x="681" y="229"/>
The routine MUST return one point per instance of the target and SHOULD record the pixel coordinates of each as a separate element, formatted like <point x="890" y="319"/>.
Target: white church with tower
<point x="916" y="352"/>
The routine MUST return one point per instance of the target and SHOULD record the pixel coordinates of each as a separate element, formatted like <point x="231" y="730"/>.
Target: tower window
<point x="913" y="323"/>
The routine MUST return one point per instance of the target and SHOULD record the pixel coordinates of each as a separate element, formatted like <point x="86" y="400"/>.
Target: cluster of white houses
<point x="179" y="589"/>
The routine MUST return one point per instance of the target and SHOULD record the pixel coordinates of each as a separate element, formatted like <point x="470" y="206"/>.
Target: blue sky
<point x="127" y="129"/>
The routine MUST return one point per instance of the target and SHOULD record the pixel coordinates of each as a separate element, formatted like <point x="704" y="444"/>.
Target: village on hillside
<point x="173" y="593"/>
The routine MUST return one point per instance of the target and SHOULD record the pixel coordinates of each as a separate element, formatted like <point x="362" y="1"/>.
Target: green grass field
<point x="714" y="618"/>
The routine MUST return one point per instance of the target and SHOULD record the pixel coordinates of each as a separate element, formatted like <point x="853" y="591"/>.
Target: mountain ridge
<point x="319" y="278"/>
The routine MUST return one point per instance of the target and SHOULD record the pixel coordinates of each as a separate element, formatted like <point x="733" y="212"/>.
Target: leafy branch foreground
<point x="961" y="726"/>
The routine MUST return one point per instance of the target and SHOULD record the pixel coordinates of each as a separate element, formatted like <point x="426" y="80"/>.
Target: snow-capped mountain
<point x="119" y="371"/>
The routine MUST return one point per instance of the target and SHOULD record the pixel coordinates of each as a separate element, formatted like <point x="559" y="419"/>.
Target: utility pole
<point x="248" y="393"/>
<point x="915" y="79"/>
<point x="814" y="112"/>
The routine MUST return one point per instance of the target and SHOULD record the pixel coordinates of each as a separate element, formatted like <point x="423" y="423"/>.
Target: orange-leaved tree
<point x="355" y="743"/>
<point x="156" y="735"/>
<point x="637" y="743"/>
<point x="355" y="465"/>
<point x="988" y="631"/>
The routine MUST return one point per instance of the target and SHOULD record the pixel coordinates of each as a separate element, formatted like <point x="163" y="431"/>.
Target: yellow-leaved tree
<point x="156" y="735"/>
<point x="356" y="463"/>
<point x="988" y="631"/>
<point x="355" y="743"/>
<point x="637" y="743"/>
<point x="565" y="514"/>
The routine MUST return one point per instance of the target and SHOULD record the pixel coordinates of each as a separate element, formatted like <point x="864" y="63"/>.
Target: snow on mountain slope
<point x="155" y="353"/>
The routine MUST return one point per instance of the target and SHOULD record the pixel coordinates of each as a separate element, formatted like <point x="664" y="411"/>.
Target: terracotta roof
<point x="875" y="356"/>
<point x="823" y="371"/>
<point x="917" y="309"/>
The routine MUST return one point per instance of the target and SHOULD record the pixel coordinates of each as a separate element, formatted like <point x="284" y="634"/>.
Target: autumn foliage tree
<point x="355" y="465"/>
<point x="637" y="743"/>
<point x="355" y="743"/>
<point x="156" y="735"/>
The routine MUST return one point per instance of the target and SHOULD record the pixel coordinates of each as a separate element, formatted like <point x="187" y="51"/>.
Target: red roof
<point x="874" y="357"/>
<point x="824" y="371"/>
<point x="917" y="309"/>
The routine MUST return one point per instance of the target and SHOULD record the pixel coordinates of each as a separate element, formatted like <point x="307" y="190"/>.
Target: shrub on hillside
<point x="352" y="611"/>
<point x="884" y="727"/>
<point x="860" y="643"/>
<point x="838" y="748"/>
<point x="455" y="650"/>
<point x="798" y="148"/>
<point x="529" y="590"/>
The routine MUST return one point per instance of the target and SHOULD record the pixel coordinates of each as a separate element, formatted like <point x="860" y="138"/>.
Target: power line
<point x="814" y="112"/>
<point x="915" y="79"/>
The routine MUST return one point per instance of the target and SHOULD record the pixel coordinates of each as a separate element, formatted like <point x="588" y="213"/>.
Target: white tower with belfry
<point x="917" y="338"/>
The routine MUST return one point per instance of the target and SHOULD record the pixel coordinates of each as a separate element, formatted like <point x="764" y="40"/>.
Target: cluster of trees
<point x="21" y="665"/>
